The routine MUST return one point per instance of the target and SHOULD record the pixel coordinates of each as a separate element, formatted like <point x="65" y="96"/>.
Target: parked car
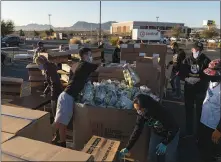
<point x="173" y="39"/>
<point x="10" y="41"/>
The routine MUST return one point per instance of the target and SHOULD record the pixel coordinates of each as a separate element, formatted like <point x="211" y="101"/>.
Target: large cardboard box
<point x="102" y="149"/>
<point x="127" y="48"/>
<point x="31" y="150"/>
<point x="108" y="123"/>
<point x="129" y="57"/>
<point x="11" y="86"/>
<point x="57" y="57"/>
<point x="6" y="136"/>
<point x="6" y="157"/>
<point x="149" y="73"/>
<point x="28" y="123"/>
<point x="112" y="71"/>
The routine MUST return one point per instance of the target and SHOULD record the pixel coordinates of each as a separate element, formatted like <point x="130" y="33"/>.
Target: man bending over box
<point x="66" y="99"/>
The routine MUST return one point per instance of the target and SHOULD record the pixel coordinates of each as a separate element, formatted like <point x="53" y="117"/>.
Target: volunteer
<point x="210" y="126"/>
<point x="164" y="130"/>
<point x="61" y="48"/>
<point x="101" y="46"/>
<point x="40" y="48"/>
<point x="175" y="79"/>
<point x="195" y="84"/>
<point x="69" y="95"/>
<point x="116" y="54"/>
<point x="174" y="47"/>
<point x="52" y="79"/>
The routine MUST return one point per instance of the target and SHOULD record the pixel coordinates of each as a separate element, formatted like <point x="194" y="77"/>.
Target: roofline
<point x="146" y="22"/>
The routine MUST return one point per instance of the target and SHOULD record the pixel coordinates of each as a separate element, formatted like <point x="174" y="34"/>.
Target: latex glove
<point x="216" y="136"/>
<point x="161" y="149"/>
<point x="192" y="80"/>
<point x="123" y="152"/>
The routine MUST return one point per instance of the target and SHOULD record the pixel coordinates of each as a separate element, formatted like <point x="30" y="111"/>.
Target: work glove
<point x="192" y="80"/>
<point x="123" y="152"/>
<point x="216" y="136"/>
<point x="161" y="149"/>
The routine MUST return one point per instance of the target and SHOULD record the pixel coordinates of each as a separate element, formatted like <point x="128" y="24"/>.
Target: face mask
<point x="196" y="54"/>
<point x="140" y="113"/>
<point x="41" y="67"/>
<point x="90" y="59"/>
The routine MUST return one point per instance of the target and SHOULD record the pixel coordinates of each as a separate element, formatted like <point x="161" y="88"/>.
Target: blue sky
<point x="66" y="13"/>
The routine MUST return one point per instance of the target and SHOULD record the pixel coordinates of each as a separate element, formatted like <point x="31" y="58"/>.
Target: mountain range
<point x="78" y="26"/>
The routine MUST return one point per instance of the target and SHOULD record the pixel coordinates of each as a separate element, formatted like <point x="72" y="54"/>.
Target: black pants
<point x="192" y="97"/>
<point x="208" y="150"/>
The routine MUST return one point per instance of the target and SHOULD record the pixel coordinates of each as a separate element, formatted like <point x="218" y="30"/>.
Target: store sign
<point x="146" y="34"/>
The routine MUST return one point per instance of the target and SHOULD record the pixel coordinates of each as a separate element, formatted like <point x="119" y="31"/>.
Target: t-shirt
<point x="79" y="78"/>
<point x="211" y="113"/>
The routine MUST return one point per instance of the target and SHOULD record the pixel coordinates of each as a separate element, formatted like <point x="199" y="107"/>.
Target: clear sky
<point x="66" y="13"/>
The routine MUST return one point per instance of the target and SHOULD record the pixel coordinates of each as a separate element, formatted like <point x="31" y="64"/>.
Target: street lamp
<point x="49" y="16"/>
<point x="157" y="18"/>
<point x="100" y="25"/>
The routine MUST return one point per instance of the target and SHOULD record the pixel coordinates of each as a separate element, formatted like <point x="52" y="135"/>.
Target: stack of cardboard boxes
<point x="36" y="78"/>
<point x="11" y="87"/>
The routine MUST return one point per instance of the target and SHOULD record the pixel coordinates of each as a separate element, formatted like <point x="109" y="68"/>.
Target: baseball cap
<point x="214" y="68"/>
<point x="198" y="45"/>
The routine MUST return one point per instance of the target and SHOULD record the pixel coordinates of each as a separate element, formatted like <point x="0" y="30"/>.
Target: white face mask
<point x="196" y="54"/>
<point x="90" y="59"/>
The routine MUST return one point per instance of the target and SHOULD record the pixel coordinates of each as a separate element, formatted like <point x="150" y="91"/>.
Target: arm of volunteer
<point x="136" y="132"/>
<point x="47" y="89"/>
<point x="219" y="124"/>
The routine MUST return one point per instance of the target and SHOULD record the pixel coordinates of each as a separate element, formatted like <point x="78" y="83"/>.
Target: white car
<point x="211" y="41"/>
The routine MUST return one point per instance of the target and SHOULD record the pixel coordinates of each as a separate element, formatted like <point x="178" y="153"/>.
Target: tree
<point x="209" y="33"/>
<point x="51" y="31"/>
<point x="36" y="34"/>
<point x="7" y="27"/>
<point x="176" y="31"/>
<point x="21" y="33"/>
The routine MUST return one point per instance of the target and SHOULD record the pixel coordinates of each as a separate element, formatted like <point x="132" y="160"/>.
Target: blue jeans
<point x="175" y="84"/>
<point x="171" y="152"/>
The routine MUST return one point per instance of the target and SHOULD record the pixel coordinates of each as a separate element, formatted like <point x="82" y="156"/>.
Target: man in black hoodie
<point x="164" y="130"/>
<point x="116" y="54"/>
<point x="196" y="84"/>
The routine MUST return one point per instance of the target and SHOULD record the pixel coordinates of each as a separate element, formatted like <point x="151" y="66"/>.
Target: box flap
<point x="39" y="151"/>
<point x="13" y="125"/>
<point x="6" y="136"/>
<point x="10" y="80"/>
<point x="22" y="112"/>
<point x="6" y="157"/>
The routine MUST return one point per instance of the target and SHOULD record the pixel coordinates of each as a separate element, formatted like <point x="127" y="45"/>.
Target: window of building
<point x="161" y="27"/>
<point x="168" y="27"/>
<point x="152" y="27"/>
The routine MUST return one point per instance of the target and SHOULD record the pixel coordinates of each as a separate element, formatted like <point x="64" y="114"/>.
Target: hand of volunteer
<point x="161" y="149"/>
<point x="123" y="152"/>
<point x="216" y="136"/>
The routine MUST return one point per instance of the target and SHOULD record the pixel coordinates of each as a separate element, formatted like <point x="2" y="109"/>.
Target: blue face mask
<point x="41" y="67"/>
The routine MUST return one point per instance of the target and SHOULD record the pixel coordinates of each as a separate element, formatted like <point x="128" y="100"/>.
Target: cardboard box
<point x="65" y="77"/>
<point x="66" y="67"/>
<point x="111" y="71"/>
<point x="57" y="57"/>
<point x="6" y="136"/>
<point x="129" y="56"/>
<point x="6" y="157"/>
<point x="108" y="123"/>
<point x="31" y="150"/>
<point x="148" y="73"/>
<point x="125" y="48"/>
<point x="102" y="149"/>
<point x="28" y="123"/>
<point x="11" y="86"/>
<point x="36" y="78"/>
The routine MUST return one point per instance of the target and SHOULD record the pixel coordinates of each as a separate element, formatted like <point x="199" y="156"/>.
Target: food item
<point x="113" y="94"/>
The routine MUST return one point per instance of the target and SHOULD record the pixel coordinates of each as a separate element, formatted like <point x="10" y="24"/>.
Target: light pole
<point x="157" y="18"/>
<point x="49" y="16"/>
<point x="100" y="25"/>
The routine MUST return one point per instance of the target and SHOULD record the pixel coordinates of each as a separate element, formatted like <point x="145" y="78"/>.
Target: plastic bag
<point x="130" y="76"/>
<point x="100" y="94"/>
<point x="88" y="94"/>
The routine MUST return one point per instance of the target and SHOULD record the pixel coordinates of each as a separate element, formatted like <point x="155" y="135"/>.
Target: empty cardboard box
<point x="11" y="86"/>
<point x="28" y="123"/>
<point x="102" y="149"/>
<point x="32" y="150"/>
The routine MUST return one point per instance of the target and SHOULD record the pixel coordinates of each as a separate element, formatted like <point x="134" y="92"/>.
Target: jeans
<point x="171" y="152"/>
<point x="191" y="98"/>
<point x="175" y="84"/>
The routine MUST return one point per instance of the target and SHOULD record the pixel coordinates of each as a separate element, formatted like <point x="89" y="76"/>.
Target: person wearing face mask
<point x="164" y="129"/>
<point x="195" y="85"/>
<point x="52" y="78"/>
<point x="40" y="48"/>
<point x="210" y="123"/>
<point x="116" y="54"/>
<point x="65" y="104"/>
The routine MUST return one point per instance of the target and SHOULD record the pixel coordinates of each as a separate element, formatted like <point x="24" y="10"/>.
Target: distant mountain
<point x="33" y="27"/>
<point x="80" y="25"/>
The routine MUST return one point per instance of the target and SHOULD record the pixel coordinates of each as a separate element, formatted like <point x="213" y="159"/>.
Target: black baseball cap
<point x="84" y="51"/>
<point x="198" y="45"/>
